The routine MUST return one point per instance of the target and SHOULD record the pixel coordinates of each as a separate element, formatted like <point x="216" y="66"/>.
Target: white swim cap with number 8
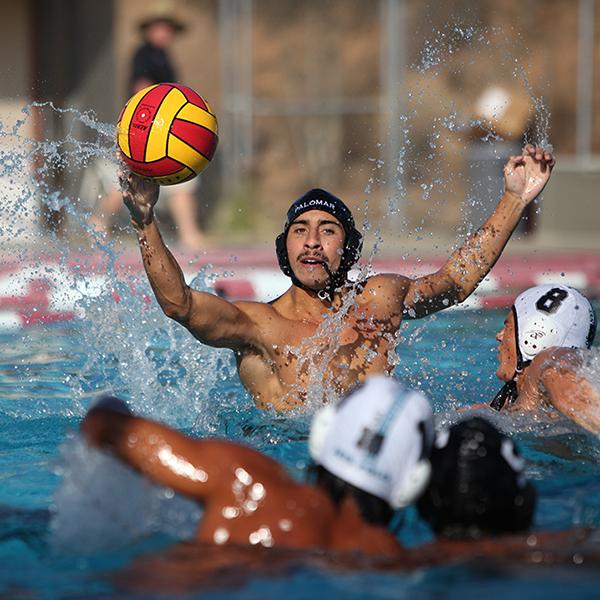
<point x="552" y="315"/>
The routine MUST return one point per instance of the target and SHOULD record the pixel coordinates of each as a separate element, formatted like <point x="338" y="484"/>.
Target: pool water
<point x="71" y="518"/>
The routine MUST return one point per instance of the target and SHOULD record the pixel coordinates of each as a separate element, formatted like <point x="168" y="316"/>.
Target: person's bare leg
<point x="106" y="210"/>
<point x="182" y="205"/>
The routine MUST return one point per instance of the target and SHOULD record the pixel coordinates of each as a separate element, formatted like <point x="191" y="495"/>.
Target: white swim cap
<point x="377" y="439"/>
<point x="552" y="315"/>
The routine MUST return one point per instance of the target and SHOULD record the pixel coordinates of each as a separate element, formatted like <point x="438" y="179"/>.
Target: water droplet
<point x="285" y="524"/>
<point x="230" y="512"/>
<point x="243" y="476"/>
<point x="221" y="535"/>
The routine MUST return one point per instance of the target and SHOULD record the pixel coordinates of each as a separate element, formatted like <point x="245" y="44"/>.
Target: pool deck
<point x="42" y="288"/>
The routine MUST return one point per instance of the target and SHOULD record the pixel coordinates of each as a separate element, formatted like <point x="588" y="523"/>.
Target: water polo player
<point x="481" y="507"/>
<point x="371" y="455"/>
<point x="319" y="244"/>
<point x="477" y="486"/>
<point x="542" y="351"/>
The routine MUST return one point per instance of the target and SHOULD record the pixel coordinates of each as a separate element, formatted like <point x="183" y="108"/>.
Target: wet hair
<point x="373" y="509"/>
<point x="477" y="486"/>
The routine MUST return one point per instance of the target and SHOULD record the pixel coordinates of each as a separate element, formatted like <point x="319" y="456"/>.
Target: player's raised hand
<point x="526" y="175"/>
<point x="139" y="195"/>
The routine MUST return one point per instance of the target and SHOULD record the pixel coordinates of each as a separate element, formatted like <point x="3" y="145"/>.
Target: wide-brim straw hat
<point x="175" y="23"/>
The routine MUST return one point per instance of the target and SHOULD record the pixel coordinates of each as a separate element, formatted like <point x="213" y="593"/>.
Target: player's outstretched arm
<point x="158" y="452"/>
<point x="525" y="176"/>
<point x="211" y="319"/>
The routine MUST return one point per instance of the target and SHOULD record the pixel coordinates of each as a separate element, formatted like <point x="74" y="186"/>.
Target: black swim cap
<point x="318" y="199"/>
<point x="477" y="484"/>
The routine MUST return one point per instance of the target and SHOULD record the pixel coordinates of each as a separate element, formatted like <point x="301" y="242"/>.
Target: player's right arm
<point x="210" y="319"/>
<point x="167" y="457"/>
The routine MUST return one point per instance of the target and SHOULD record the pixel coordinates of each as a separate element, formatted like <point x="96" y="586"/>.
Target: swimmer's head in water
<point x="318" y="199"/>
<point x="376" y="441"/>
<point x="477" y="484"/>
<point x="552" y="315"/>
<point x="545" y="316"/>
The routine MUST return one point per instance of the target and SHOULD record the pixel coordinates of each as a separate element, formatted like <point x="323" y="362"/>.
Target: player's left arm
<point x="525" y="176"/>
<point x="555" y="376"/>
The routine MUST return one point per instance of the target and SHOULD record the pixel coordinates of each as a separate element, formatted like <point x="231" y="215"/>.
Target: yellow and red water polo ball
<point x="168" y="133"/>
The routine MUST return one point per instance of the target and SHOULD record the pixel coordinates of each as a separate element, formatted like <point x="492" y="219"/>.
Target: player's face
<point x="507" y="349"/>
<point x="315" y="244"/>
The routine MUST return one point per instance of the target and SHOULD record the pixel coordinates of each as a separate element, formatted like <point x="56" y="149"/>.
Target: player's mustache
<point x="314" y="256"/>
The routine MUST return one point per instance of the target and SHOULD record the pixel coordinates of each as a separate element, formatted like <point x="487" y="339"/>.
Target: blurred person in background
<point x="152" y="64"/>
<point x="501" y="116"/>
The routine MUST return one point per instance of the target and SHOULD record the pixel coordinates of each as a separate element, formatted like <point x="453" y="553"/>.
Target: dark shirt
<point x="153" y="64"/>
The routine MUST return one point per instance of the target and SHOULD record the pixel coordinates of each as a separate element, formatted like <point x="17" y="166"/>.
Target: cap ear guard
<point x="412" y="486"/>
<point x="529" y="337"/>
<point x="352" y="249"/>
<point x="282" y="255"/>
<point x="320" y="426"/>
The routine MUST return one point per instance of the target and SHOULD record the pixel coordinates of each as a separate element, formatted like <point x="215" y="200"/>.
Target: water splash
<point x="152" y="361"/>
<point x="133" y="350"/>
<point x="103" y="504"/>
<point x="446" y="42"/>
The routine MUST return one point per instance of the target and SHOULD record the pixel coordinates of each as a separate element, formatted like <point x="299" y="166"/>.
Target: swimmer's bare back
<point x="270" y="339"/>
<point x="248" y="498"/>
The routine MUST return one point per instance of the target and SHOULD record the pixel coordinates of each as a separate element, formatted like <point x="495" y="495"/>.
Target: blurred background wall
<point x="407" y="107"/>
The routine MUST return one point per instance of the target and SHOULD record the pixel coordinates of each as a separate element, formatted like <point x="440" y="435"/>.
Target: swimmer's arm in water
<point x="554" y="376"/>
<point x="188" y="466"/>
<point x="211" y="319"/>
<point x="524" y="178"/>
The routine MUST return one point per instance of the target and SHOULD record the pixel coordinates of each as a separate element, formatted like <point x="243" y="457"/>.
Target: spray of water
<point x="132" y="349"/>
<point x="102" y="504"/>
<point x="425" y="175"/>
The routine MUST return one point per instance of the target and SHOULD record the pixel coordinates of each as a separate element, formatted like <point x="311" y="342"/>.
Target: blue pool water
<point x="70" y="518"/>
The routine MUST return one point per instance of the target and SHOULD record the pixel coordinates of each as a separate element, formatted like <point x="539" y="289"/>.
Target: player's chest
<point x="329" y="345"/>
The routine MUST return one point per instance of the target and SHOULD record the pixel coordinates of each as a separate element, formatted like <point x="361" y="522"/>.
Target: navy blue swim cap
<point x="318" y="199"/>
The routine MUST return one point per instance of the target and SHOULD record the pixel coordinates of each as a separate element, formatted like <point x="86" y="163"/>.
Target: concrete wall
<point x="19" y="208"/>
<point x="570" y="210"/>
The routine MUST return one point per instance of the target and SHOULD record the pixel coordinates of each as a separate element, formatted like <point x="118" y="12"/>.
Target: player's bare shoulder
<point x="383" y="293"/>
